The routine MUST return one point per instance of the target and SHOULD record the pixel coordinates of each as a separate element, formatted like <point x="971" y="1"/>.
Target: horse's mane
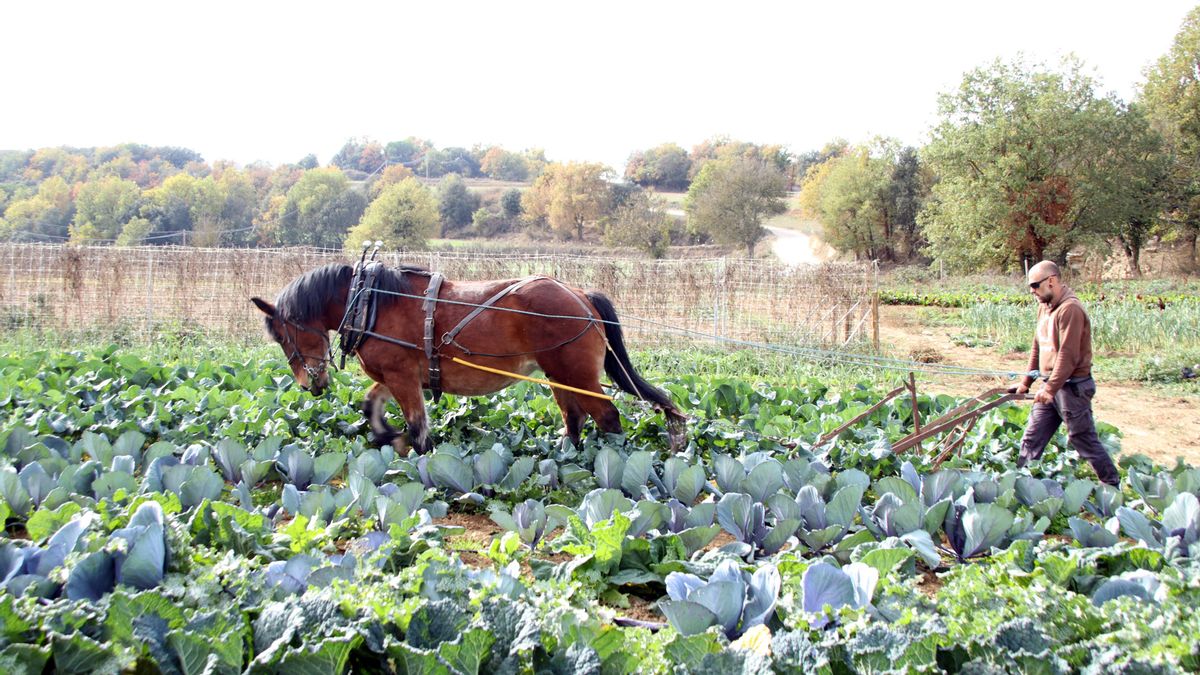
<point x="309" y="294"/>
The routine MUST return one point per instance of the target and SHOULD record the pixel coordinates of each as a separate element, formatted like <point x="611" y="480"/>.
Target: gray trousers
<point x="1073" y="405"/>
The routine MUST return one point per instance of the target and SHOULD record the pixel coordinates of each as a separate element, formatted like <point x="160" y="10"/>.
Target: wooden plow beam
<point x="956" y="423"/>
<point x="864" y="415"/>
<point x="968" y="412"/>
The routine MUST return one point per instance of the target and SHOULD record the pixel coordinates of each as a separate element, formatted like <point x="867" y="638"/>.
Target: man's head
<point x="1044" y="282"/>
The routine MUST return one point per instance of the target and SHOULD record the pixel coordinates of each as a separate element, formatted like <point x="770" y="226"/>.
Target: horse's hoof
<point x="401" y="446"/>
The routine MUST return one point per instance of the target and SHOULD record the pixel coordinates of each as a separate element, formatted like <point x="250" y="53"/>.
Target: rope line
<point x="812" y="353"/>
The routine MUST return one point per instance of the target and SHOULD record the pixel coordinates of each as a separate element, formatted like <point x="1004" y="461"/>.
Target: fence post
<point x="150" y="293"/>
<point x="875" y="306"/>
<point x="875" y="320"/>
<point x="717" y="290"/>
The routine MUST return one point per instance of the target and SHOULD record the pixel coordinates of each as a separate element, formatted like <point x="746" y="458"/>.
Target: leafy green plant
<point x="730" y="598"/>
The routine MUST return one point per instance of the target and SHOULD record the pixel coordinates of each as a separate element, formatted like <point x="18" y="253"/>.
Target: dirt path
<point x="1159" y="426"/>
<point x="793" y="247"/>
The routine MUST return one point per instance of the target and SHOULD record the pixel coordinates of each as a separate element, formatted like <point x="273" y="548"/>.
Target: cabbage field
<point x="213" y="518"/>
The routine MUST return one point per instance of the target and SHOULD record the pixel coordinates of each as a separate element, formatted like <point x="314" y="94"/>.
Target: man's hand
<point x="1018" y="389"/>
<point x="1043" y="396"/>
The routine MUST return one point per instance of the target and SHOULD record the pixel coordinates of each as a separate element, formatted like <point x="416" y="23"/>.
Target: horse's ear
<point x="266" y="307"/>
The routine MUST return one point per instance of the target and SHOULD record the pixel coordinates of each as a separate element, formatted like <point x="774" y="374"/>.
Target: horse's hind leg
<point x="373" y="408"/>
<point x="573" y="414"/>
<point x="582" y="370"/>
<point x="604" y="412"/>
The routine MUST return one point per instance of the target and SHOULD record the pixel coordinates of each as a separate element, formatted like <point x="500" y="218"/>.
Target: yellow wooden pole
<point x="548" y="383"/>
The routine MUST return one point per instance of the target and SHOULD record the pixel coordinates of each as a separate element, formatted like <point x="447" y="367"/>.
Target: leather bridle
<point x="323" y="361"/>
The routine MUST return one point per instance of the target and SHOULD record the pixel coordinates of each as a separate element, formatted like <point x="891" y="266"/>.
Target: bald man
<point x="1062" y="352"/>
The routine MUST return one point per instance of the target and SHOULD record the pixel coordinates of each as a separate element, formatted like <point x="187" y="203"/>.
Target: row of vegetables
<point x="330" y="554"/>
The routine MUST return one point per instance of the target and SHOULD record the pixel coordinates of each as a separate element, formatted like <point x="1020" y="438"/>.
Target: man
<point x="1062" y="352"/>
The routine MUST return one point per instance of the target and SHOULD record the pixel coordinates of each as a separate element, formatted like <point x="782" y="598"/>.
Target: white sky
<point x="274" y="81"/>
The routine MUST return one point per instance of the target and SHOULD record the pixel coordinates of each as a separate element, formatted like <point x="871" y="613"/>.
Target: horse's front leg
<point x="412" y="404"/>
<point x="374" y="408"/>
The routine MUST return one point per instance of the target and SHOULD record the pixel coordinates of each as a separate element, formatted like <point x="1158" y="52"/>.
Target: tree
<point x="45" y="215"/>
<point x="730" y="198"/>
<point x="319" y="209"/>
<point x="1014" y="154"/>
<point x="135" y="232"/>
<point x="390" y="176"/>
<point x="182" y="204"/>
<point x="451" y="160"/>
<point x="362" y="155"/>
<point x="456" y="204"/>
<point x="510" y="203"/>
<point x="103" y="207"/>
<point x="849" y="196"/>
<point x="641" y="221"/>
<point x="501" y="164"/>
<point x="308" y="161"/>
<point x="906" y="194"/>
<point x="1130" y="184"/>
<point x="568" y="197"/>
<point x="404" y="216"/>
<point x="1171" y="96"/>
<point x="808" y="161"/>
<point x="664" y="167"/>
<point x="409" y="152"/>
<point x="485" y="223"/>
<point x="726" y="148"/>
<point x="535" y="159"/>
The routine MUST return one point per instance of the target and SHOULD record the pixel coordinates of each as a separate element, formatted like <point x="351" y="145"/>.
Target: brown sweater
<point x="1062" y="343"/>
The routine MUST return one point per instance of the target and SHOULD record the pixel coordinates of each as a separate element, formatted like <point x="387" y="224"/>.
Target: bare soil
<point x="471" y="544"/>
<point x="1153" y="423"/>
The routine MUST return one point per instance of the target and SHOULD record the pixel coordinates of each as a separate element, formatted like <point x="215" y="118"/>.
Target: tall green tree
<point x="403" y="216"/>
<point x="730" y="198"/>
<point x="319" y="209"/>
<point x="1171" y="96"/>
<point x="510" y="203"/>
<point x="1014" y="153"/>
<point x="103" y="207"/>
<point x="1129" y="185"/>
<point x="570" y="198"/>
<point x="906" y="194"/>
<point x="849" y="196"/>
<point x="456" y="203"/>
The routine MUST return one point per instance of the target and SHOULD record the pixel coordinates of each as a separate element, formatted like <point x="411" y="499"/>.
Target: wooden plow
<point x="955" y="424"/>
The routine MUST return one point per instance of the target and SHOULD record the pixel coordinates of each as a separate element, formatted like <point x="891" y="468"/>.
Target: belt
<point x="1070" y="380"/>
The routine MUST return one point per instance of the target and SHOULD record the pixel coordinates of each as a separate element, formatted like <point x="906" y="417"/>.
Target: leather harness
<point x="362" y="306"/>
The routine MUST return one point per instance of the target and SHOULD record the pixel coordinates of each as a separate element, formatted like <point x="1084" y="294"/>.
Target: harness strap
<point x="429" y="304"/>
<point x="361" y="307"/>
<point x="448" y="336"/>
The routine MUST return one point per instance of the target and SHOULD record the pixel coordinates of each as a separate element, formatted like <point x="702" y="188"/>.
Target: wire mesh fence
<point x="140" y="292"/>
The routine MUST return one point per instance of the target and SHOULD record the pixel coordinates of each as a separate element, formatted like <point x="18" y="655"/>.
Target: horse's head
<point x="305" y="344"/>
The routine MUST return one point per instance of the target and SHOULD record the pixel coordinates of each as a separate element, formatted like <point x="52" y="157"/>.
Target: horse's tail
<point x="618" y="366"/>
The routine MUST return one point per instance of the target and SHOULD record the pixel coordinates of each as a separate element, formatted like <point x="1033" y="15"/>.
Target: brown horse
<point x="529" y="324"/>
